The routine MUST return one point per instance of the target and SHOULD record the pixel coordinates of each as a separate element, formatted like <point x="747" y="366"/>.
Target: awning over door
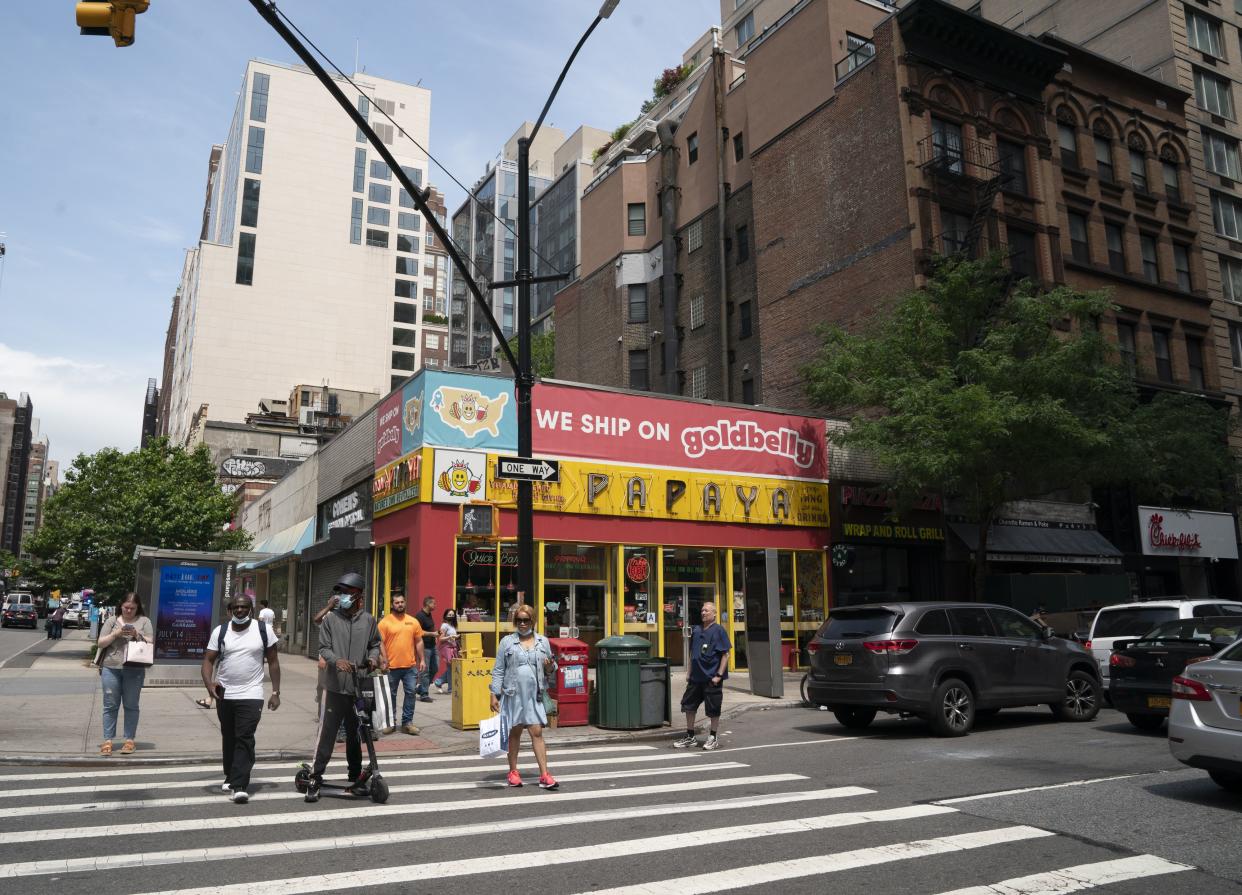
<point x="1020" y="543"/>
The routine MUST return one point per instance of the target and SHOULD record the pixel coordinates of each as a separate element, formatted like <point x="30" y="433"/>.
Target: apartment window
<point x="254" y="151"/>
<point x="409" y="221"/>
<point x="1160" y="351"/>
<point x="697" y="315"/>
<point x="355" y="223"/>
<point x="383" y="131"/>
<point x="360" y="170"/>
<point x="250" y="203"/>
<point x="433" y="341"/>
<point x="1221" y="155"/>
<point x="1104" y="158"/>
<point x="1235" y="343"/>
<point x="1194" y="361"/>
<point x="858" y="51"/>
<point x="407" y="266"/>
<point x="743" y="244"/>
<point x="258" y="96"/>
<point x="1125" y="346"/>
<point x="745" y="29"/>
<point x="744" y="324"/>
<point x="636" y="218"/>
<point x="692" y="148"/>
<point x="1227" y="216"/>
<point x="694" y="236"/>
<point x="404" y="360"/>
<point x="1181" y="266"/>
<point x="1116" y="237"/>
<point x="698" y="382"/>
<point x="378" y="192"/>
<point x="637" y="293"/>
<point x="739" y="148"/>
<point x="377" y="238"/>
<point x="378" y="216"/>
<point x="748" y="391"/>
<point x="380" y="170"/>
<point x="407" y="243"/>
<point x="1204" y="33"/>
<point x="429" y="303"/>
<point x="1067" y="138"/>
<point x="245" y="259"/>
<point x="1013" y="166"/>
<point x="1151" y="262"/>
<point x="402" y="313"/>
<point x="415" y="175"/>
<point x="954" y="232"/>
<point x="405" y="289"/>
<point x="405" y="199"/>
<point x="1172" y="181"/>
<point x="1080" y="248"/>
<point x="404" y="338"/>
<point x="1022" y="253"/>
<point x="364" y="109"/>
<point x="1138" y="170"/>
<point x="947" y="143"/>
<point x="1213" y="94"/>
<point x="1231" y="278"/>
<point x="638" y="371"/>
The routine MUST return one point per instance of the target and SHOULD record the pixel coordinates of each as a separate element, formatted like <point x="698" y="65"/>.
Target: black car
<point x="946" y="663"/>
<point x="19" y="614"/>
<point x="1141" y="671"/>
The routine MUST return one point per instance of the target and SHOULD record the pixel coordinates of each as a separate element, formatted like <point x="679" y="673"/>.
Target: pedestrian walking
<point x="402" y="639"/>
<point x="519" y="682"/>
<point x="348" y="640"/>
<point x="56" y="622"/>
<point x="427" y="622"/>
<point x="267" y="615"/>
<point x="122" y="684"/>
<point x="232" y="672"/>
<point x="709" y="666"/>
<point x="447" y="640"/>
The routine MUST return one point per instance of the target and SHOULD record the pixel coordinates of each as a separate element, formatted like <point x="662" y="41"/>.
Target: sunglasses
<point x="522" y="620"/>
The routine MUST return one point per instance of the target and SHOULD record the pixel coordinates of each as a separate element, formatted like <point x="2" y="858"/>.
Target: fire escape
<point x="964" y="174"/>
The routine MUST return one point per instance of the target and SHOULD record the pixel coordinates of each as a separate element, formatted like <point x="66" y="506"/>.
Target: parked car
<point x="19" y="609"/>
<point x="1205" y="722"/>
<point x="1142" y="671"/>
<point x="947" y="663"/>
<point x="76" y="615"/>
<point x="1130" y="620"/>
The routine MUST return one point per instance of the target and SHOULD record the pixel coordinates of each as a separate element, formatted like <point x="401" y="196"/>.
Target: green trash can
<point x="617" y="664"/>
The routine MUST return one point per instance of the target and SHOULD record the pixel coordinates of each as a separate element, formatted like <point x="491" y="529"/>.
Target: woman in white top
<point x="122" y="684"/>
<point x="446" y="648"/>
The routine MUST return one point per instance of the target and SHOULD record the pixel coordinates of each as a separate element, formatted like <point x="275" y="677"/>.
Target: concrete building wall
<point x="290" y="501"/>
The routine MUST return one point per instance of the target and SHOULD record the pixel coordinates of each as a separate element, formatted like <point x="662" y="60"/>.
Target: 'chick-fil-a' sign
<point x="1168" y="532"/>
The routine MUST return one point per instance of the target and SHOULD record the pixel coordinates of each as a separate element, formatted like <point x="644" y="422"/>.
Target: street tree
<point x="160" y="496"/>
<point x="542" y="353"/>
<point x="988" y="391"/>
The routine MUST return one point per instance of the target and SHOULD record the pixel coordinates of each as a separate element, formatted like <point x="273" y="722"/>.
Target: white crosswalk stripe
<point x="1076" y="879"/>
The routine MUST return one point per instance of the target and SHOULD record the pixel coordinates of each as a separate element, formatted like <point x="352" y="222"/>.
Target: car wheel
<point x="1227" y="780"/>
<point x="1082" y="698"/>
<point x="1145" y="722"/>
<point x="806" y="697"/>
<point x="953" y="709"/>
<point x="854" y="719"/>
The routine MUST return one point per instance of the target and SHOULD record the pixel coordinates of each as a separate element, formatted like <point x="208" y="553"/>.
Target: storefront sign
<point x="388" y="430"/>
<point x="350" y="509"/>
<point x="459" y="476"/>
<point x="1167" y="532"/>
<point x="892" y="531"/>
<point x="183" y="622"/>
<point x="397" y="484"/>
<point x="874" y="496"/>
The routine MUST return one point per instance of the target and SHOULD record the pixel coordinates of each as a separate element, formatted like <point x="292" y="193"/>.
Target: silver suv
<point x="947" y="663"/>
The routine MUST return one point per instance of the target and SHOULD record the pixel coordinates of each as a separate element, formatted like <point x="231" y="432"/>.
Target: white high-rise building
<point x="310" y="263"/>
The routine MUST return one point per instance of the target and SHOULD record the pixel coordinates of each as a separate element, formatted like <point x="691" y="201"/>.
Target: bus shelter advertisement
<point x="183" y="623"/>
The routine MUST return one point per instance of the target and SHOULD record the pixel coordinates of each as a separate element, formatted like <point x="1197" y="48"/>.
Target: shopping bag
<point x="383" y="715"/>
<point x="493" y="737"/>
<point x="139" y="653"/>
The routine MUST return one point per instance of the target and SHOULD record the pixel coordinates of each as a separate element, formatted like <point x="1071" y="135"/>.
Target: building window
<point x="407" y="243"/>
<point x="1080" y="248"/>
<point x="1194" y="361"/>
<point x="378" y="216"/>
<point x="383" y="131"/>
<point x="1125" y="346"/>
<point x="1235" y="344"/>
<point x="404" y="338"/>
<point x="1151" y="262"/>
<point x="405" y="289"/>
<point x="403" y="313"/>
<point x="954" y="232"/>
<point x="1013" y="166"/>
<point x="404" y="199"/>
<point x="379" y="192"/>
<point x="1138" y="170"/>
<point x="743" y="244"/>
<point x="258" y="96"/>
<point x="355" y="223"/>
<point x="692" y="149"/>
<point x="1213" y="94"/>
<point x="364" y="109"/>
<point x="739" y="148"/>
<point x="1104" y="158"/>
<point x="638" y="371"/>
<point x="1227" y="216"/>
<point x="745" y="29"/>
<point x="415" y="175"/>
<point x="377" y="238"/>
<point x="697" y="316"/>
<point x="408" y="221"/>
<point x="1160" y="351"/>
<point x="380" y="170"/>
<point x="245" y="259"/>
<point x="698" y="382"/>
<point x="1116" y="237"/>
<point x="748" y="391"/>
<point x="433" y="341"/>
<point x="744" y="325"/>
<point x="250" y="203"/>
<point x="694" y="236"/>
<point x="1221" y="154"/>
<point x="1172" y="181"/>
<point x="1022" y="254"/>
<point x="637" y="302"/>
<point x="1067" y="138"/>
<point x="254" y="151"/>
<point x="404" y="360"/>
<point x="636" y="218"/>
<point x="947" y="143"/>
<point x="407" y="266"/>
<point x="1181" y="266"/>
<point x="1231" y="278"/>
<point x="1204" y="33"/>
<point x="859" y="51"/>
<point x="360" y="170"/>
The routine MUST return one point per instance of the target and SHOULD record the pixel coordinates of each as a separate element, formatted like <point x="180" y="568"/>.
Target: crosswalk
<point x="630" y="819"/>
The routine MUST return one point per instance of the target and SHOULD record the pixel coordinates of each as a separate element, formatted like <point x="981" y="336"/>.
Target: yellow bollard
<point x="472" y="673"/>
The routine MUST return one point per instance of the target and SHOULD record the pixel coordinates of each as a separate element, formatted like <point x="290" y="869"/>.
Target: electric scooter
<point x="369" y="783"/>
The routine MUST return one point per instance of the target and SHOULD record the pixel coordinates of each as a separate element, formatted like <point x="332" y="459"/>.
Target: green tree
<point x="542" y="353"/>
<point x="990" y="392"/>
<point x="112" y="502"/>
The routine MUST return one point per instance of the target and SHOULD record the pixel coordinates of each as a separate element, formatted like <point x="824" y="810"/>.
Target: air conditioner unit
<point x="307" y="416"/>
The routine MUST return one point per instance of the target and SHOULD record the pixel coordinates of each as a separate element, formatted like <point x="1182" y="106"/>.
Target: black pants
<point x="335" y="708"/>
<point x="239" y="719"/>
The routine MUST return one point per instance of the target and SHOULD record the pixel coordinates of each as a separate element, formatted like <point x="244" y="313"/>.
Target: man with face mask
<point x="348" y="639"/>
<point x="232" y="671"/>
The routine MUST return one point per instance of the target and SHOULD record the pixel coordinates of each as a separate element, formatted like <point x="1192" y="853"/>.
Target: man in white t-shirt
<point x="233" y="674"/>
<point x="267" y="615"/>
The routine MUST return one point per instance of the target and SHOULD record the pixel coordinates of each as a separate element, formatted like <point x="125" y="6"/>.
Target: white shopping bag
<point x="383" y="715"/>
<point x="493" y="737"/>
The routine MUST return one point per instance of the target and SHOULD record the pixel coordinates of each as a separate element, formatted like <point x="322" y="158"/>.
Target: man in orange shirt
<point x="402" y="637"/>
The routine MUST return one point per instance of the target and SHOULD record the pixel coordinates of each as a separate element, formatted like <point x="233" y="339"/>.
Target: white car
<point x="76" y="616"/>
<point x="1205" y="722"/>
<point x="1125" y="621"/>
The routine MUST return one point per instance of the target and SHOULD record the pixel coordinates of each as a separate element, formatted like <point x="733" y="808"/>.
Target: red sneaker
<point x="547" y="781"/>
<point x="515" y="779"/>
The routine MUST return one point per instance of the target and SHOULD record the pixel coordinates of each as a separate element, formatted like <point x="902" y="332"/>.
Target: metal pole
<point x="524" y="381"/>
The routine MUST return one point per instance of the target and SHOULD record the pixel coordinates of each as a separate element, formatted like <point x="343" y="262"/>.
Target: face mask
<point x="241" y="620"/>
<point x="346" y="601"/>
<point x="524" y="633"/>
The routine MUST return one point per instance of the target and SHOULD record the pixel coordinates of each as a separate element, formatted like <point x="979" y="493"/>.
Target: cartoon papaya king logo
<point x="469" y="411"/>
<point x="458" y="480"/>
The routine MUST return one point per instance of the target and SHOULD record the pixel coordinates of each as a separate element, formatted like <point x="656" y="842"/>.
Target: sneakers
<point x="425" y="698"/>
<point x="515" y="779"/>
<point x="387" y="730"/>
<point x="224" y="787"/>
<point x="312" y="789"/>
<point x="685" y="742"/>
<point x="240" y="797"/>
<point x="409" y="729"/>
<point x="712" y="742"/>
<point x="547" y="781"/>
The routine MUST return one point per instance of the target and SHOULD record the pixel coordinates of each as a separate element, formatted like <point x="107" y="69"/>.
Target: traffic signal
<point x="111" y="18"/>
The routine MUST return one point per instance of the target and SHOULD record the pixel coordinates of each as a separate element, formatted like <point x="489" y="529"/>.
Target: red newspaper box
<point x="569" y="686"/>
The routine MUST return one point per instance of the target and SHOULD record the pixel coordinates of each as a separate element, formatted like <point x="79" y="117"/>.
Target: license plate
<point x="845" y="659"/>
<point x="1159" y="702"/>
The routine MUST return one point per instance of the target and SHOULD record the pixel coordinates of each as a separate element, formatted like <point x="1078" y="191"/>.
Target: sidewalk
<point x="51" y="713"/>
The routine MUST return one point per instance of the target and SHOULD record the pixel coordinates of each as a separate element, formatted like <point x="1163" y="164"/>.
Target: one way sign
<point x="528" y="469"/>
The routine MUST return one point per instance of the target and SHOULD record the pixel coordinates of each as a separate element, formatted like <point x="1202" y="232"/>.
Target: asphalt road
<point x="16" y="643"/>
<point x="792" y="803"/>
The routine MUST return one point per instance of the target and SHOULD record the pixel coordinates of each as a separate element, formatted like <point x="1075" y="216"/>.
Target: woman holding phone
<point x="122" y="685"/>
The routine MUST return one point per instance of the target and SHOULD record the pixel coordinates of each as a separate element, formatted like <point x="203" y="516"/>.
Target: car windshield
<point x="1224" y="630"/>
<point x="1131" y="621"/>
<point x="843" y="624"/>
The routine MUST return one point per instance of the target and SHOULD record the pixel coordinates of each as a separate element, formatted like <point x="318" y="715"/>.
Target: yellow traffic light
<point x="110" y="18"/>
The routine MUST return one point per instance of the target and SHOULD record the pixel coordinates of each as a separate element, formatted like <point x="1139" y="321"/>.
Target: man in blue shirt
<point x="709" y="663"/>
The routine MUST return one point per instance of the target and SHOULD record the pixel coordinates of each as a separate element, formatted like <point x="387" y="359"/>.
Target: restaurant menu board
<point x="183" y="624"/>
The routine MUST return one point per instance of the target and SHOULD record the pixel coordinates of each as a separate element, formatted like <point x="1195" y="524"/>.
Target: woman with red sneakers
<point x="519" y="680"/>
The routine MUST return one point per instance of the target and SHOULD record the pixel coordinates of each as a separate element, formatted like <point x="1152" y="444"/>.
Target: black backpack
<point x="224" y="628"/>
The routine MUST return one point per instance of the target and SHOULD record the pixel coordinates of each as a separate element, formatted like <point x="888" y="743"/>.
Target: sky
<point x="103" y="153"/>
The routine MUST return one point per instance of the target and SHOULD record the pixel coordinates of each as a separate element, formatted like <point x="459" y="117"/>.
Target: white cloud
<point x="82" y="405"/>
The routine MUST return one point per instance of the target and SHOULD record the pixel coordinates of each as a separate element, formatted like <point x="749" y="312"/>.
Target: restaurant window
<point x="639" y="607"/>
<point x="1194" y="360"/>
<point x="1160" y="351"/>
<point x="1067" y="139"/>
<point x="476" y="583"/>
<point x="1080" y="248"/>
<point x="812" y="598"/>
<point x="1126" y="346"/>
<point x="1116" y="238"/>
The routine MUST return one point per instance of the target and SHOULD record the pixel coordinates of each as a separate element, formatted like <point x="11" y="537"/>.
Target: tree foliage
<point x="542" y="353"/>
<point x="990" y="393"/>
<point x="112" y="502"/>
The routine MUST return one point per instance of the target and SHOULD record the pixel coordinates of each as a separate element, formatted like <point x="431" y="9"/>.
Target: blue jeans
<point x="425" y="677"/>
<point x="121" y="687"/>
<point x="407" y="678"/>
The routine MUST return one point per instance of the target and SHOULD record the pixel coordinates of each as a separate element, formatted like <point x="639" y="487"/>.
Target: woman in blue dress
<point x="519" y="680"/>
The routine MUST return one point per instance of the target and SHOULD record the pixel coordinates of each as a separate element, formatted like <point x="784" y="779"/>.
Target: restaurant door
<point x="682" y="605"/>
<point x="574" y="609"/>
